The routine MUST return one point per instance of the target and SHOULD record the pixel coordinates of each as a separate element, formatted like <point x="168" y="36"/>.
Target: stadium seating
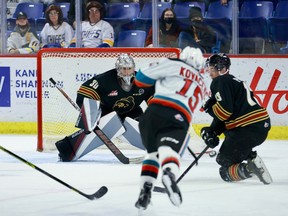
<point x="284" y="50"/>
<point x="123" y="10"/>
<point x="223" y="27"/>
<point x="256" y="9"/>
<point x="122" y="16"/>
<point x="253" y="27"/>
<point x="40" y="24"/>
<point x="131" y="38"/>
<point x="33" y="10"/>
<point x="281" y="9"/>
<point x="11" y="23"/>
<point x="146" y="12"/>
<point x="182" y="9"/>
<point x="278" y="31"/>
<point x="219" y="18"/>
<point x="64" y="7"/>
<point x="217" y="10"/>
<point x="253" y="23"/>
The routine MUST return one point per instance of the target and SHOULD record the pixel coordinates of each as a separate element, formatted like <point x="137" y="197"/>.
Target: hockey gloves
<point x="210" y="137"/>
<point x="208" y="104"/>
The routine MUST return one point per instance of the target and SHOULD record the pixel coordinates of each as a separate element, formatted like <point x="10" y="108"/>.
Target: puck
<point x="212" y="153"/>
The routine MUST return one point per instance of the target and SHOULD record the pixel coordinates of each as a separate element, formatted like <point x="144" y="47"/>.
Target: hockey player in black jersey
<point x="120" y="101"/>
<point x="243" y="121"/>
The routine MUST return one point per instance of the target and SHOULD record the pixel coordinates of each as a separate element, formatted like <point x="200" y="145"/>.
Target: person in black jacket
<point x="202" y="35"/>
<point x="244" y="123"/>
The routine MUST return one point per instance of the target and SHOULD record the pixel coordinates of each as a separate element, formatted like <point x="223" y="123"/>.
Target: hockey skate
<point x="144" y="197"/>
<point x="168" y="180"/>
<point x="257" y="166"/>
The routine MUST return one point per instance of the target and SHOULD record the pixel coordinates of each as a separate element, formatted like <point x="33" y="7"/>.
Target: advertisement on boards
<point x="266" y="76"/>
<point x="18" y="89"/>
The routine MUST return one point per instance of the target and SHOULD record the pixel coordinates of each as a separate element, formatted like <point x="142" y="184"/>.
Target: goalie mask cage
<point x="56" y="117"/>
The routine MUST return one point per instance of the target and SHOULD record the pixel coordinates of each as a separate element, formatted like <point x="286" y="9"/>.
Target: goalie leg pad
<point x="132" y="134"/>
<point x="80" y="143"/>
<point x="89" y="115"/>
<point x="77" y="145"/>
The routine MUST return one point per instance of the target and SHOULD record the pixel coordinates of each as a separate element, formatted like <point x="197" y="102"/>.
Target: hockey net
<point x="70" y="68"/>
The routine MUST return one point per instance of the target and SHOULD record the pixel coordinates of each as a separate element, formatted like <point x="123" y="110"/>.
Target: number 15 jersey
<point x="177" y="85"/>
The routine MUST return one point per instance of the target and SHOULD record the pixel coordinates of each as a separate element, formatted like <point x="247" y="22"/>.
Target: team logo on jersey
<point x="124" y="105"/>
<point x="140" y="92"/>
<point x="218" y="96"/>
<point x="179" y="117"/>
<point x="113" y="93"/>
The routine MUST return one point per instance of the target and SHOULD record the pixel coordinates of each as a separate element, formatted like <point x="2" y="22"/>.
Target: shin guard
<point x="235" y="172"/>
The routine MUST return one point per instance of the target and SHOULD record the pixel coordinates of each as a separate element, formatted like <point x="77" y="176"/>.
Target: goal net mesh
<point x="70" y="68"/>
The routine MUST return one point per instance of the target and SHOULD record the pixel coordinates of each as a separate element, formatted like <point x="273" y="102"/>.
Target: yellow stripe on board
<point x="18" y="127"/>
<point x="276" y="132"/>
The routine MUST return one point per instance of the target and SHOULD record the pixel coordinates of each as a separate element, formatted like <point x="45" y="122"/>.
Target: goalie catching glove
<point x="210" y="137"/>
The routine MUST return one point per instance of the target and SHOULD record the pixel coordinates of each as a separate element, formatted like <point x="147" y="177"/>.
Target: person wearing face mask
<point x="202" y="35"/>
<point x="168" y="30"/>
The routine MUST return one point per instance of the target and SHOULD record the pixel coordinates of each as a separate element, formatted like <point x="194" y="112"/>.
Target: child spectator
<point x="22" y="40"/>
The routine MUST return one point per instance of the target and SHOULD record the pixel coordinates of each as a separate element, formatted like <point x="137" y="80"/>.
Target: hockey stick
<point x="163" y="190"/>
<point x="98" y="194"/>
<point x="104" y="138"/>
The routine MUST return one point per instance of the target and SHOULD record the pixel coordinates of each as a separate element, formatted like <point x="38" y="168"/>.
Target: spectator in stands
<point x="56" y="32"/>
<point x="95" y="31"/>
<point x="22" y="40"/>
<point x="169" y="30"/>
<point x="72" y="13"/>
<point x="203" y="36"/>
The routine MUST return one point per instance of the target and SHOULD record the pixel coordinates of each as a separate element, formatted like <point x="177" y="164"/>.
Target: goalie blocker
<point x="80" y="143"/>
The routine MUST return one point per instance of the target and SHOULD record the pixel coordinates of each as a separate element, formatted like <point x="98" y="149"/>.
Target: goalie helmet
<point x="125" y="67"/>
<point x="219" y="61"/>
<point x="193" y="57"/>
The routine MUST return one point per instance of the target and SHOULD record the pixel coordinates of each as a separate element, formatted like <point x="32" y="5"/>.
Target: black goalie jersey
<point x="106" y="88"/>
<point x="236" y="105"/>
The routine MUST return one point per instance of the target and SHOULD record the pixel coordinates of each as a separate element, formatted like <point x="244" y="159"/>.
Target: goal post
<point x="70" y="67"/>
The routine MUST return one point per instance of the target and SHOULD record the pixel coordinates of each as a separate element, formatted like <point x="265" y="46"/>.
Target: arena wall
<point x="266" y="75"/>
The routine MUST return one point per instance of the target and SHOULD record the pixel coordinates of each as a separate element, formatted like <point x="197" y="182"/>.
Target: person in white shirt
<point x="56" y="32"/>
<point x="22" y="40"/>
<point x="95" y="31"/>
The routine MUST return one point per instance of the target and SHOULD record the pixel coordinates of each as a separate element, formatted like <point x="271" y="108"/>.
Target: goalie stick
<point x="104" y="138"/>
<point x="163" y="190"/>
<point x="98" y="194"/>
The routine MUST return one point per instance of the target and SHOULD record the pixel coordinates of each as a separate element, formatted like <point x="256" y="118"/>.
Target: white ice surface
<point x="26" y="191"/>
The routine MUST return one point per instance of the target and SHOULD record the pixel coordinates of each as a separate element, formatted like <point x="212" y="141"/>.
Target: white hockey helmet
<point x="125" y="67"/>
<point x="193" y="57"/>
